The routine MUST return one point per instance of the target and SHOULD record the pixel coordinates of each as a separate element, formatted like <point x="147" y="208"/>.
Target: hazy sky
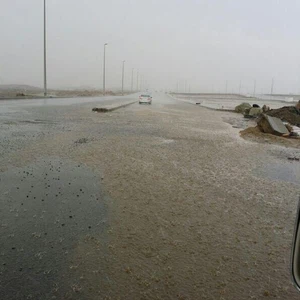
<point x="202" y="42"/>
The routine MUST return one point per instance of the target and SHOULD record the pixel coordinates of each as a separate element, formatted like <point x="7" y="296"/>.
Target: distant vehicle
<point x="145" y="99"/>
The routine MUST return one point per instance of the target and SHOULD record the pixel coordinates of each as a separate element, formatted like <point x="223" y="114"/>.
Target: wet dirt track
<point x="147" y="202"/>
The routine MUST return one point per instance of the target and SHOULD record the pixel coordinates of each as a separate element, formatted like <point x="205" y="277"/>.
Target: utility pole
<point x="272" y="86"/>
<point x="104" y="69"/>
<point x="45" y="52"/>
<point x="132" y="80"/>
<point x="123" y="77"/>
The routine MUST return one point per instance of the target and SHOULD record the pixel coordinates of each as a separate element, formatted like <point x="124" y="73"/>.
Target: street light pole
<point x="137" y="80"/>
<point x="272" y="86"/>
<point x="123" y="77"/>
<point x="45" y="52"/>
<point x="132" y="80"/>
<point x="104" y="69"/>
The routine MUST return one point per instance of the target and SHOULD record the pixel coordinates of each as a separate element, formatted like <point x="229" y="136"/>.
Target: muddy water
<point x="283" y="171"/>
<point x="188" y="211"/>
<point x="51" y="213"/>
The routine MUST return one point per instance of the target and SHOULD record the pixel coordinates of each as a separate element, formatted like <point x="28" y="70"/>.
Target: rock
<point x="298" y="105"/>
<point x="242" y="107"/>
<point x="265" y="108"/>
<point x="255" y="105"/>
<point x="289" y="114"/>
<point x="247" y="110"/>
<point x="255" y="112"/>
<point x="272" y="125"/>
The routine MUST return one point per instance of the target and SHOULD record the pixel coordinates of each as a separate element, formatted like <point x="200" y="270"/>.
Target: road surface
<point x="147" y="202"/>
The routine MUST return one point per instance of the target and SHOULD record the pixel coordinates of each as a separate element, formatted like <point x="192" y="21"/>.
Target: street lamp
<point x="132" y="80"/>
<point x="45" y="52"/>
<point x="104" y="69"/>
<point x="137" y="80"/>
<point x="272" y="86"/>
<point x="123" y="77"/>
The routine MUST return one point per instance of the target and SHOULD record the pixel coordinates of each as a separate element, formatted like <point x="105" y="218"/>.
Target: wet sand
<point x="189" y="209"/>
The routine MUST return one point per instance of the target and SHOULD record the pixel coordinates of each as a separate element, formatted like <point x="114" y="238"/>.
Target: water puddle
<point x="285" y="171"/>
<point x="51" y="214"/>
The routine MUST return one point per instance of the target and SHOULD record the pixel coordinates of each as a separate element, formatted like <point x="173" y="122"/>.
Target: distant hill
<point x="19" y="87"/>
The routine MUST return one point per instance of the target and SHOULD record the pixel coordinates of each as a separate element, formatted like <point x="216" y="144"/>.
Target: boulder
<point x="265" y="108"/>
<point x="272" y="125"/>
<point x="255" y="112"/>
<point x="242" y="107"/>
<point x="289" y="114"/>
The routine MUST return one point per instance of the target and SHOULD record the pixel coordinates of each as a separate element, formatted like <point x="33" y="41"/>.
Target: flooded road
<point x="147" y="202"/>
<point x="47" y="209"/>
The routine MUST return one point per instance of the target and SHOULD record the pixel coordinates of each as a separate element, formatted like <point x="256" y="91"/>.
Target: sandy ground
<point x="230" y="101"/>
<point x="19" y="93"/>
<point x="178" y="206"/>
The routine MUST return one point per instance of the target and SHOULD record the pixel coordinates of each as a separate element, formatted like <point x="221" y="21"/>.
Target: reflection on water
<point x="51" y="214"/>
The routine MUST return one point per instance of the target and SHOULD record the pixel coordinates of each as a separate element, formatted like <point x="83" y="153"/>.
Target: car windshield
<point x="148" y="149"/>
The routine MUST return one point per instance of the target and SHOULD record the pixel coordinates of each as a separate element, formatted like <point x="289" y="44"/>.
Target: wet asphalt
<point x="47" y="207"/>
<point x="148" y="202"/>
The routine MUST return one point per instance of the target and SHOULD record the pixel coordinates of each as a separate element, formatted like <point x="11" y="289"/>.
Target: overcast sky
<point x="202" y="42"/>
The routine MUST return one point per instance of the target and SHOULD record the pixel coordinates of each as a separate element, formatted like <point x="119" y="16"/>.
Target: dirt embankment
<point x="288" y="113"/>
<point x="254" y="134"/>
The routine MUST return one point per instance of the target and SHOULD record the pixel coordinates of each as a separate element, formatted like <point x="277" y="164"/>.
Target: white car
<point x="145" y="98"/>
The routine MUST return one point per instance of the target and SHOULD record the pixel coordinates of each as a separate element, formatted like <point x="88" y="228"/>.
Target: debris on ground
<point x="294" y="158"/>
<point x="283" y="122"/>
<point x="100" y="109"/>
<point x="290" y="114"/>
<point x="82" y="141"/>
<point x="255" y="134"/>
<point x="242" y="107"/>
<point x="273" y="125"/>
<point x="294" y="132"/>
